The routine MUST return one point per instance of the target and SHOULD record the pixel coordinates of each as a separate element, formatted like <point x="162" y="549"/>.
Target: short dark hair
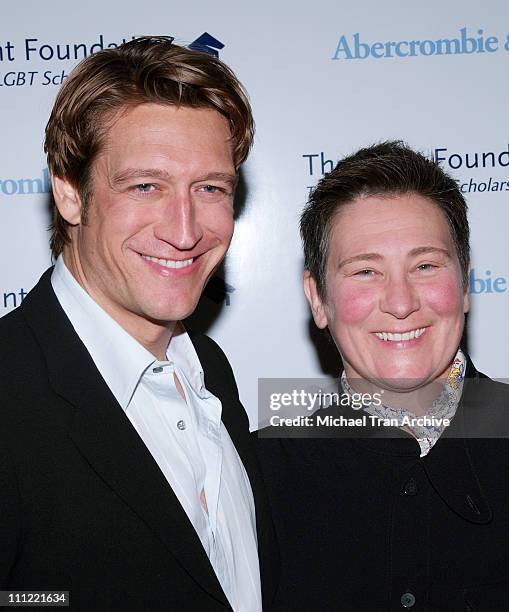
<point x="147" y="69"/>
<point x="386" y="168"/>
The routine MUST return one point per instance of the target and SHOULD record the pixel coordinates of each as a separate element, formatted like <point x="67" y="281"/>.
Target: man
<point x="127" y="477"/>
<point x="401" y="510"/>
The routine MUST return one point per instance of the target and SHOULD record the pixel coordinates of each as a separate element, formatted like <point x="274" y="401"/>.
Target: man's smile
<point x="170" y="263"/>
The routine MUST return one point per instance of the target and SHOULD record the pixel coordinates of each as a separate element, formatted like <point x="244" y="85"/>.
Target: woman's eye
<point x="426" y="267"/>
<point x="364" y="273"/>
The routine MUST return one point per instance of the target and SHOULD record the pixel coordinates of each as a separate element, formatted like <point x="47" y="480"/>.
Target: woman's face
<point x="394" y="304"/>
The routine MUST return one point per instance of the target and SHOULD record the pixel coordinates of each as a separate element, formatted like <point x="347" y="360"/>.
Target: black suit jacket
<point x="83" y="505"/>
<point x="365" y="524"/>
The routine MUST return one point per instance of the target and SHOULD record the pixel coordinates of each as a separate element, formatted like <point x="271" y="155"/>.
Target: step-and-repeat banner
<point x="324" y="78"/>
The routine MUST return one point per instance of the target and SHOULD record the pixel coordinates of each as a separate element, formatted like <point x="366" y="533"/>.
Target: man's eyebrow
<point x="130" y="173"/>
<point x="218" y="176"/>
<point x="360" y="257"/>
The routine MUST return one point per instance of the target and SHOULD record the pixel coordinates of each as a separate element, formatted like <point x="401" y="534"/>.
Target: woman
<point x="411" y="508"/>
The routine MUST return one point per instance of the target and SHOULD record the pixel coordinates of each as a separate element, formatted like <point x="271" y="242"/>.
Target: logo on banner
<point x="12" y="299"/>
<point x="486" y="283"/>
<point x="26" y="186"/>
<point x="464" y="42"/>
<point x="496" y="161"/>
<point x="207" y="43"/>
<point x="318" y="165"/>
<point x="14" y="57"/>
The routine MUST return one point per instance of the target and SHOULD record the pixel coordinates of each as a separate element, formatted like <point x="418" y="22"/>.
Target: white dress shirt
<point x="186" y="437"/>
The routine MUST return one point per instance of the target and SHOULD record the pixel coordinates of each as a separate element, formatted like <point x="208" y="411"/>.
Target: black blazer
<point x="83" y="505"/>
<point x="366" y="525"/>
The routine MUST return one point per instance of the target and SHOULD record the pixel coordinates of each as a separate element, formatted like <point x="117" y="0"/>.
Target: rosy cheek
<point x="354" y="304"/>
<point x="444" y="296"/>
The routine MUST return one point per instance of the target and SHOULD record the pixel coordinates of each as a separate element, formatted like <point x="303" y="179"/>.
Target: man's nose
<point x="179" y="224"/>
<point x="400" y="298"/>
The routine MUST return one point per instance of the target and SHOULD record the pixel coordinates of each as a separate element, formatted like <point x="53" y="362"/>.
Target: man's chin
<point x="166" y="314"/>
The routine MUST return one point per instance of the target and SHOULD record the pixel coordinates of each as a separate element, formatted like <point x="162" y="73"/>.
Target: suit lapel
<point x="107" y="440"/>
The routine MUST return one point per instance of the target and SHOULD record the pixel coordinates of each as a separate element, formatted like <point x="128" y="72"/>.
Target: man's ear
<point x="466" y="293"/>
<point x="314" y="299"/>
<point x="67" y="200"/>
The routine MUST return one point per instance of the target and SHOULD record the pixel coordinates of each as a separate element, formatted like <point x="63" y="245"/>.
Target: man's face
<point x="394" y="300"/>
<point x="161" y="215"/>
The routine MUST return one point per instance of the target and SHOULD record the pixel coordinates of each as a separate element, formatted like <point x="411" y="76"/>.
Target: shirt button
<point x="411" y="488"/>
<point x="408" y="600"/>
<point x="157" y="370"/>
<point x="181" y="425"/>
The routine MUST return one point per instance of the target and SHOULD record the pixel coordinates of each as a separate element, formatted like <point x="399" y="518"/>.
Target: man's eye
<point x="211" y="189"/>
<point x="145" y="187"/>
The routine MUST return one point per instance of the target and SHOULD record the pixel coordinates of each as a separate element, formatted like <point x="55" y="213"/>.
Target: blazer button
<point x="411" y="487"/>
<point x="408" y="600"/>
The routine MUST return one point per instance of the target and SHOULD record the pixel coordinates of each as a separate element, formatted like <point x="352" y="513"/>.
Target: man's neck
<point x="153" y="335"/>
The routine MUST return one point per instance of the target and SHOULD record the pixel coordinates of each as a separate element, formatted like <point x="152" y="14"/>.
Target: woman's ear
<point x="466" y="293"/>
<point x="314" y="299"/>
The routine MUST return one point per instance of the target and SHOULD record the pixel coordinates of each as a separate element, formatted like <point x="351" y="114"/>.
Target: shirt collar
<point x="182" y="353"/>
<point x="120" y="359"/>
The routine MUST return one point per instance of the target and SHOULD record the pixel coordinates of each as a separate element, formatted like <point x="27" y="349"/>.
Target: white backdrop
<point x="317" y="95"/>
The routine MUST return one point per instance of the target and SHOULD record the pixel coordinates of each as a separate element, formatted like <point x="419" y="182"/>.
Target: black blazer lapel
<point x="449" y="465"/>
<point x="107" y="440"/>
